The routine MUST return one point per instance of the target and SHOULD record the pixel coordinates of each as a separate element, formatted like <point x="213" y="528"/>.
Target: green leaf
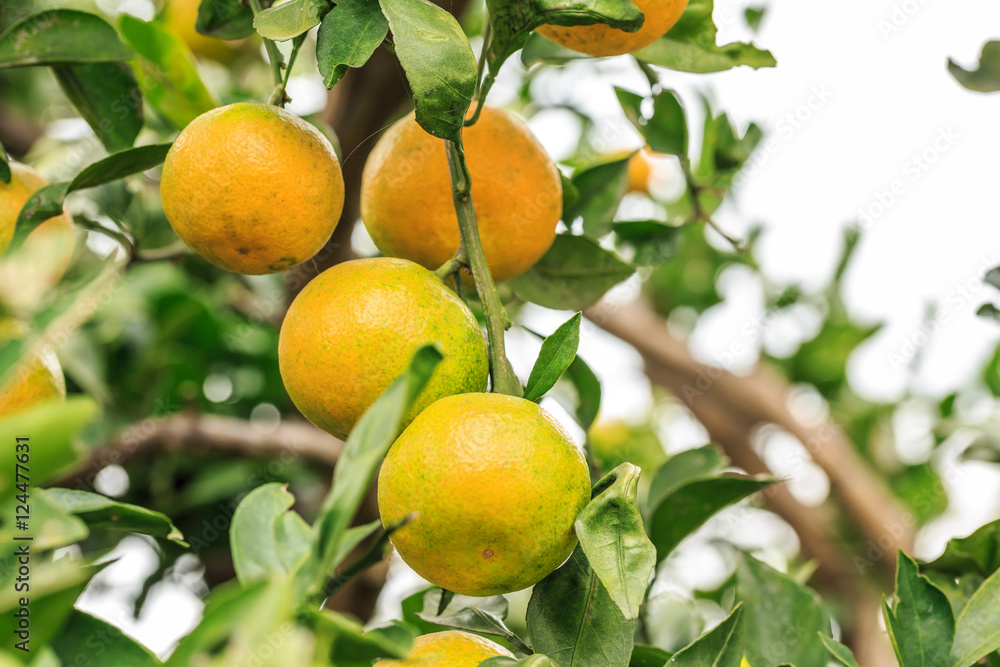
<point x="107" y="96"/>
<point x="348" y="36"/>
<point x="920" y="624"/>
<point x="691" y="46"/>
<point x="977" y="629"/>
<point x="573" y="620"/>
<point x="438" y="61"/>
<point x="290" y="19"/>
<point x="83" y="635"/>
<point x="684" y="467"/>
<point x="754" y="16"/>
<point x="601" y="189"/>
<point x="513" y="20"/>
<point x="613" y="538"/>
<point x="573" y="275"/>
<point x="838" y="651"/>
<point x="644" y="655"/>
<point x="101" y="512"/>
<point x="652" y="242"/>
<point x="772" y="604"/>
<point x="225" y="19"/>
<point x="226" y="607"/>
<point x="979" y="552"/>
<point x="482" y="616"/>
<point x="4" y="165"/>
<point x="535" y="660"/>
<point x="374" y="555"/>
<point x="666" y="129"/>
<point x="588" y="392"/>
<point x="719" y="647"/>
<point x="359" y="462"/>
<point x="355" y="646"/>
<point x="259" y="523"/>
<point x="55" y="586"/>
<point x="984" y="79"/>
<point x="49" y="526"/>
<point x="60" y="37"/>
<point x="557" y="353"/>
<point x="48" y="201"/>
<point x="167" y="72"/>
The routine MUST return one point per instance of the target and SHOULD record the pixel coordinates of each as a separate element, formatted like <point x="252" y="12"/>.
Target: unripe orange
<point x="448" y="649"/>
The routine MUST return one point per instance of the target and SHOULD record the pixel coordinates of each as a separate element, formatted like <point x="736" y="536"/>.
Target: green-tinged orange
<point x="600" y="39"/>
<point x="406" y="195"/>
<point x="36" y="378"/>
<point x="495" y="483"/>
<point x="354" y="329"/>
<point x="448" y="649"/>
<point x="252" y="188"/>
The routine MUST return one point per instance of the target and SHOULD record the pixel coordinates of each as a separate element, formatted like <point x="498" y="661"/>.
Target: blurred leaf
<point x="719" y="647"/>
<point x="754" y="16"/>
<point x="353" y="537"/>
<point x="691" y="46"/>
<point x="838" y="651"/>
<point x="438" y="62"/>
<point x="372" y="556"/>
<point x="572" y="619"/>
<point x="822" y="361"/>
<point x="107" y="96"/>
<point x="537" y="49"/>
<point x="570" y="194"/>
<point x="513" y="21"/>
<point x="290" y="19"/>
<point x="665" y="131"/>
<point x="613" y="442"/>
<point x="644" y="655"/>
<point x="226" y="607"/>
<point x="984" y="79"/>
<point x="601" y="189"/>
<point x="920" y="624"/>
<point x="653" y="242"/>
<point x="772" y="604"/>
<point x="531" y="661"/>
<point x="557" y="353"/>
<point x="989" y="311"/>
<point x="83" y="637"/>
<point x="60" y="37"/>
<point x="101" y="512"/>
<point x="48" y="201"/>
<point x="225" y="19"/>
<point x="979" y="551"/>
<point x="485" y="618"/>
<point x="682" y="468"/>
<point x="348" y="36"/>
<point x="613" y="538"/>
<point x="55" y="586"/>
<point x="49" y="526"/>
<point x="690" y="283"/>
<point x="921" y="488"/>
<point x="4" y="165"/>
<point x="167" y="72"/>
<point x="258" y="524"/>
<point x="573" y="275"/>
<point x="977" y="628"/>
<point x="724" y="153"/>
<point x="354" y="646"/>
<point x="588" y="392"/>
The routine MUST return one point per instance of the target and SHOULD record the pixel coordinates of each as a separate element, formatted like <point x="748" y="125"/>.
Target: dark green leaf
<point x="838" y="651"/>
<point x="989" y="311"/>
<point x="4" y="165"/>
<point x="83" y="635"/>
<point x="754" y="16"/>
<point x="684" y="467"/>
<point x="101" y="512"/>
<point x="290" y="19"/>
<point x="979" y="551"/>
<point x="613" y="538"/>
<point x="107" y="97"/>
<point x="348" y="37"/>
<point x="977" y="629"/>
<point x="167" y="72"/>
<point x="588" y="392"/>
<point x="513" y="21"/>
<point x="438" y="62"/>
<point x="652" y="242"/>
<point x="920" y="624"/>
<point x="482" y="616"/>
<point x="573" y="620"/>
<point x="573" y="275"/>
<point x="258" y="553"/>
<point x="984" y="79"/>
<point x="719" y="647"/>
<point x="60" y="37"/>
<point x="644" y="655"/>
<point x="782" y="620"/>
<point x="601" y="189"/>
<point x="557" y="353"/>
<point x="225" y="19"/>
<point x="666" y="129"/>
<point x="691" y="46"/>
<point x="569" y="192"/>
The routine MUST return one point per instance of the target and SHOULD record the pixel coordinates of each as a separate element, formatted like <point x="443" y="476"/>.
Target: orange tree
<point x="484" y="494"/>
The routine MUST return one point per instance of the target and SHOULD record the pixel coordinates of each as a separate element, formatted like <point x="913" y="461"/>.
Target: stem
<point x="700" y="214"/>
<point x="504" y="380"/>
<point x="279" y="96"/>
<point x="453" y="265"/>
<point x="273" y="54"/>
<point x="649" y="73"/>
<point x="484" y="79"/>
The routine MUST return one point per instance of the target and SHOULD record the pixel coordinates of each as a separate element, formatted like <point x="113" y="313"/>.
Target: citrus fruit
<point x="252" y="188"/>
<point x="448" y="649"/>
<point x="639" y="171"/>
<point x="495" y="483"/>
<point x="35" y="379"/>
<point x="354" y="329"/>
<point x="600" y="39"/>
<point x="181" y="16"/>
<point x="406" y="197"/>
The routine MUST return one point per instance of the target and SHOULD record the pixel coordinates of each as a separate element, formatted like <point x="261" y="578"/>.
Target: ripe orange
<point x="603" y="40"/>
<point x="639" y="171"/>
<point x="35" y="379"/>
<point x="252" y="188"/>
<point x="406" y="199"/>
<point x="354" y="329"/>
<point x="496" y="484"/>
<point x="448" y="649"/>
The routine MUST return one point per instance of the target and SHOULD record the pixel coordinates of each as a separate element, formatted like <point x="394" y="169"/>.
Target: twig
<point x="280" y="94"/>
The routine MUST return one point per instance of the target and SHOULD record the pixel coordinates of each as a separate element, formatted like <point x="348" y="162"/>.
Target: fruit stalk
<point x="504" y="380"/>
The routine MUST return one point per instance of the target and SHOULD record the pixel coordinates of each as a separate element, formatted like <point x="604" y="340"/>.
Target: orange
<point x="496" y="484"/>
<point x="354" y="329"/>
<point x="181" y="16"/>
<point x="252" y="188"/>
<point x="639" y="170"/>
<point x="603" y="40"/>
<point x="35" y="379"/>
<point x="406" y="198"/>
<point x="448" y="649"/>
